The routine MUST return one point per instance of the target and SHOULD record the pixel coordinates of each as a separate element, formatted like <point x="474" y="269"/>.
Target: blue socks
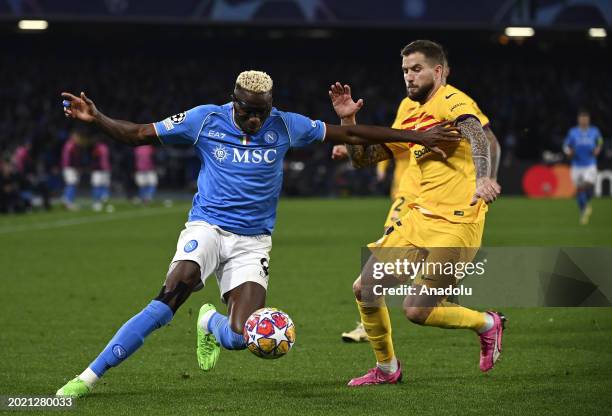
<point x="218" y="325"/>
<point x="583" y="199"/>
<point x="156" y="314"/>
<point x="150" y="192"/>
<point x="69" y="193"/>
<point x="131" y="336"/>
<point x="100" y="193"/>
<point x="146" y="193"/>
<point x="105" y="193"/>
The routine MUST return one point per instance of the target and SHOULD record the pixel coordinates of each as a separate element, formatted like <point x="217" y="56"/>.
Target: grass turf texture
<point x="69" y="280"/>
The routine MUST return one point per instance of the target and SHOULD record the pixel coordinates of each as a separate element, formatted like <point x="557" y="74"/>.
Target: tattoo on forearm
<point x="366" y="155"/>
<point x="471" y="129"/>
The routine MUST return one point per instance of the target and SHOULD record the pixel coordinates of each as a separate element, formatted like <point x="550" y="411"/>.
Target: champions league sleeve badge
<point x="178" y="118"/>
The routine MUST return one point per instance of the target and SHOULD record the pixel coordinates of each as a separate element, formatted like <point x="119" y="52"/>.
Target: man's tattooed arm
<point x="471" y="129"/>
<point x="366" y="155"/>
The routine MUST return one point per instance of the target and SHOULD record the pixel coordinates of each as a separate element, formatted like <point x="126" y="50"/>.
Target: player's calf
<point x="417" y="314"/>
<point x="418" y="308"/>
<point x="183" y="278"/>
<point x="215" y="329"/>
<point x="126" y="341"/>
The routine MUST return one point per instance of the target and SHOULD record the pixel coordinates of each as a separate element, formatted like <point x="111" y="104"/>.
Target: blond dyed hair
<point x="254" y="81"/>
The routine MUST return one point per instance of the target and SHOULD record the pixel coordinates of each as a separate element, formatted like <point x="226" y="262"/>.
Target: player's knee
<point x="186" y="272"/>
<point x="183" y="277"/>
<point x="416" y="314"/>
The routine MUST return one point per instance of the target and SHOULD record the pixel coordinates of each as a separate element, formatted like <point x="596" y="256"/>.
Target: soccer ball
<point x="269" y="333"/>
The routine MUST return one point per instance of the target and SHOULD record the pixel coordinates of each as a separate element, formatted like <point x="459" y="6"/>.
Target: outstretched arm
<point x="126" y="132"/>
<point x="486" y="188"/>
<point x="364" y="143"/>
<point x="346" y="109"/>
<point x="365" y="134"/>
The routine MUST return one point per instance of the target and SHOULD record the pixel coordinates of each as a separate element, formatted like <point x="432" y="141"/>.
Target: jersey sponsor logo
<point x="220" y="153"/>
<point x="167" y="124"/>
<point x="457" y="106"/>
<point x="270" y="137"/>
<point x="216" y="134"/>
<point x="178" y="118"/>
<point x="449" y="95"/>
<point x="190" y="246"/>
<point x="421" y="152"/>
<point x="255" y="156"/>
<point x="119" y="351"/>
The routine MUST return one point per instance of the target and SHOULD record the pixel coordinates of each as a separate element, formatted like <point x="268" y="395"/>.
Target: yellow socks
<point x="377" y="324"/>
<point x="451" y="315"/>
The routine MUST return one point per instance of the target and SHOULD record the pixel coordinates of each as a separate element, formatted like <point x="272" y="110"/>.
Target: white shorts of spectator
<point x="71" y="176"/>
<point x="146" y="178"/>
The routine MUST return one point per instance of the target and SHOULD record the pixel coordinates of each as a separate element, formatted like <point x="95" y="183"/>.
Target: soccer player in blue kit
<point x="241" y="145"/>
<point x="582" y="145"/>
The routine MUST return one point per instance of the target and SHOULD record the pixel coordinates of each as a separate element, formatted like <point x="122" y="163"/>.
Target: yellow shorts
<point x="399" y="208"/>
<point x="416" y="237"/>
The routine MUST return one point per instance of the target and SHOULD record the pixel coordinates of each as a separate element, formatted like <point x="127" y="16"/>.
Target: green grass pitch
<point x="69" y="280"/>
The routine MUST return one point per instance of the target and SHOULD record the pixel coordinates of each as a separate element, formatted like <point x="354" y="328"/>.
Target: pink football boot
<point x="377" y="376"/>
<point x="491" y="342"/>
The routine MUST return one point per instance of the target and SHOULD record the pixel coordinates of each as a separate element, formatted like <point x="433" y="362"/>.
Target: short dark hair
<point x="434" y="52"/>
<point x="583" y="112"/>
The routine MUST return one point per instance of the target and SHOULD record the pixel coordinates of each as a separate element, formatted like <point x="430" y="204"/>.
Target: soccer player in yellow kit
<point x="406" y="174"/>
<point x="448" y="213"/>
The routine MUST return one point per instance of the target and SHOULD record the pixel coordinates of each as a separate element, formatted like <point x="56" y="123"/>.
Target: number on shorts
<point x="264" y="265"/>
<point x="398" y="207"/>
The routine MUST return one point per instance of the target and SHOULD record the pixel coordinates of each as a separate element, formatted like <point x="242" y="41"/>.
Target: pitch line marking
<point x="89" y="220"/>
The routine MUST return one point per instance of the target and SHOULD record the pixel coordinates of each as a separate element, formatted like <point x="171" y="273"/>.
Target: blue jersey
<point x="241" y="176"/>
<point x="583" y="142"/>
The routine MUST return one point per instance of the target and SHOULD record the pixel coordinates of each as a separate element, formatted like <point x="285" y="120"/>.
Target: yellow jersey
<point x="402" y="185"/>
<point x="438" y="187"/>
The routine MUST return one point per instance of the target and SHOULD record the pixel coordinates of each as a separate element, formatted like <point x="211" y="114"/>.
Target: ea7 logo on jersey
<point x="217" y="134"/>
<point x="178" y="118"/>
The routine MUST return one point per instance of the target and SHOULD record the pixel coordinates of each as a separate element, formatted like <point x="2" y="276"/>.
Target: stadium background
<point x="146" y="63"/>
<point x="71" y="278"/>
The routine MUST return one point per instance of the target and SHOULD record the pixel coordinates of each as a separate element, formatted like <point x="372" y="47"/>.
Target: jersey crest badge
<point x="270" y="137"/>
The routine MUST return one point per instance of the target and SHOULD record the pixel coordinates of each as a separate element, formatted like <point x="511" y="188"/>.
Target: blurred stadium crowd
<point x="530" y="94"/>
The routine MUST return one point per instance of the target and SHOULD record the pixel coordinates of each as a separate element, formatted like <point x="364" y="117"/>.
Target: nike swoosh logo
<point x="449" y="95"/>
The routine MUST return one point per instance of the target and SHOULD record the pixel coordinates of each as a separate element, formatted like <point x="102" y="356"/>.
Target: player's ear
<point x="439" y="70"/>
